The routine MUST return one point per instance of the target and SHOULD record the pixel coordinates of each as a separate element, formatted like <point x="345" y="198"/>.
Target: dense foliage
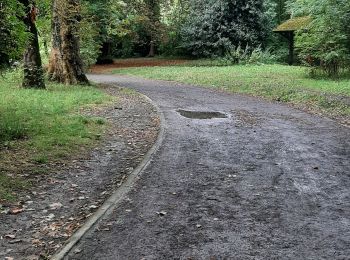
<point x="12" y="31"/>
<point x="234" y="30"/>
<point x="325" y="43"/>
<point x="215" y="26"/>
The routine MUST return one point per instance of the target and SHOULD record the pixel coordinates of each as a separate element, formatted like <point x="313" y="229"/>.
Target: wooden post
<point x="291" y="48"/>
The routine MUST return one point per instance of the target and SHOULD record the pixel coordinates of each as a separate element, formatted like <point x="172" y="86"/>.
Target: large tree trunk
<point x="151" y="49"/>
<point x="65" y="65"/>
<point x="153" y="13"/>
<point x="33" y="71"/>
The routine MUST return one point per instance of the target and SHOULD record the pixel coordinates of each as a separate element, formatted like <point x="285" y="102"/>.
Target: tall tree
<point x="153" y="15"/>
<point x="33" y="71"/>
<point x="65" y="64"/>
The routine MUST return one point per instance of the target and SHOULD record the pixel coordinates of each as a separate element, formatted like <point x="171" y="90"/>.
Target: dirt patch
<point x="130" y="63"/>
<point x="244" y="118"/>
<point x="67" y="193"/>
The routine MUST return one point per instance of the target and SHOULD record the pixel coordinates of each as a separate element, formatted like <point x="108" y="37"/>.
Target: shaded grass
<point x="275" y="82"/>
<point x="9" y="186"/>
<point x="45" y="125"/>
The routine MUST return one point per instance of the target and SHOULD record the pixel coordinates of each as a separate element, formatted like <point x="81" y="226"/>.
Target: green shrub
<point x="250" y="56"/>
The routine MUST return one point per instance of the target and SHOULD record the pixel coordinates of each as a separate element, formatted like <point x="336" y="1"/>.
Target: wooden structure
<point x="288" y="28"/>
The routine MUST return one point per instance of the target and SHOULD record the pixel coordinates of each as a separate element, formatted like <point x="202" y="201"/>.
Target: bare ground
<point x="69" y="192"/>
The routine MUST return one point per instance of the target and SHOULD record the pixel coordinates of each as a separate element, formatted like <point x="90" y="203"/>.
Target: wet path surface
<point x="264" y="181"/>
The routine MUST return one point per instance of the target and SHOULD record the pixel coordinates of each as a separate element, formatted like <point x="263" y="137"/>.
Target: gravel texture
<point x="267" y="182"/>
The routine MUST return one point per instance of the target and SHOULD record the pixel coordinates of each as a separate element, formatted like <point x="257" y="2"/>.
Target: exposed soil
<point x="267" y="182"/>
<point x="139" y="62"/>
<point x="69" y="192"/>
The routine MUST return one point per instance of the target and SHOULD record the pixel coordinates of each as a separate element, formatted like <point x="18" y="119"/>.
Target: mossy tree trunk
<point x="65" y="65"/>
<point x="33" y="70"/>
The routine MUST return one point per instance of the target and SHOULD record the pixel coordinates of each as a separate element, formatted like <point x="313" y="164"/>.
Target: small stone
<point x="50" y="217"/>
<point x="10" y="236"/>
<point x="77" y="251"/>
<point x="55" y="206"/>
<point x="15" y="241"/>
<point x="162" y="213"/>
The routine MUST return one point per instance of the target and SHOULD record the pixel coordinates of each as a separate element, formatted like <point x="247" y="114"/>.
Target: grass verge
<point x="274" y="82"/>
<point x="41" y="126"/>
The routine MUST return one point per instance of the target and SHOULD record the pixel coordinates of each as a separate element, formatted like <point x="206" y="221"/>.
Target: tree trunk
<point x="291" y="48"/>
<point x="65" y="65"/>
<point x="151" y="49"/>
<point x="33" y="71"/>
<point x="106" y="54"/>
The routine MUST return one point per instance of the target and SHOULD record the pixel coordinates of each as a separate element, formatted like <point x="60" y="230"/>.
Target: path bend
<point x="267" y="182"/>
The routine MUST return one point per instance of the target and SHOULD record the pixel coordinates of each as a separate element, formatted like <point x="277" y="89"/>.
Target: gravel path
<point x="265" y="182"/>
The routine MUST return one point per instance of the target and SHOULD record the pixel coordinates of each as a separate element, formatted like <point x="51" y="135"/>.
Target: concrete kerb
<point x="118" y="195"/>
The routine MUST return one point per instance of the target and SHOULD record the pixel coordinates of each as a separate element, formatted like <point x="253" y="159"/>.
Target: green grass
<point x="45" y="125"/>
<point x="10" y="185"/>
<point x="274" y="82"/>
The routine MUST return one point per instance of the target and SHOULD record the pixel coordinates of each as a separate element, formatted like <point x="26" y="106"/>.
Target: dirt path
<point x="265" y="182"/>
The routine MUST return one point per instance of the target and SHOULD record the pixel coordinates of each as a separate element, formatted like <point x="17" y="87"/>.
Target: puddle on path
<point x="201" y="114"/>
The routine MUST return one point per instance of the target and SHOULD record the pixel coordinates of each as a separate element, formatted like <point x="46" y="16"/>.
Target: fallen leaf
<point x="15" y="211"/>
<point x="36" y="242"/>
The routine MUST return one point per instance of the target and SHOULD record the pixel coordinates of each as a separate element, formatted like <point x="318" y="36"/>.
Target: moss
<point x="294" y="24"/>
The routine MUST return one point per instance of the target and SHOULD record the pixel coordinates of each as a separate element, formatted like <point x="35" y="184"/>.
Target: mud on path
<point x="246" y="179"/>
<point x="69" y="193"/>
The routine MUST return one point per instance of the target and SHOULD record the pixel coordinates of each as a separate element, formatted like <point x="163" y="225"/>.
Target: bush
<point x="213" y="27"/>
<point x="250" y="56"/>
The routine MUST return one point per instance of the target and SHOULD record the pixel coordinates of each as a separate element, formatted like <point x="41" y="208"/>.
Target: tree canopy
<point x="108" y="29"/>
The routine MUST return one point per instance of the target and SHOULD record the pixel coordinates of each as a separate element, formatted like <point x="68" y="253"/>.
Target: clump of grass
<point x="10" y="185"/>
<point x="44" y="125"/>
<point x="47" y="124"/>
<point x="48" y="119"/>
